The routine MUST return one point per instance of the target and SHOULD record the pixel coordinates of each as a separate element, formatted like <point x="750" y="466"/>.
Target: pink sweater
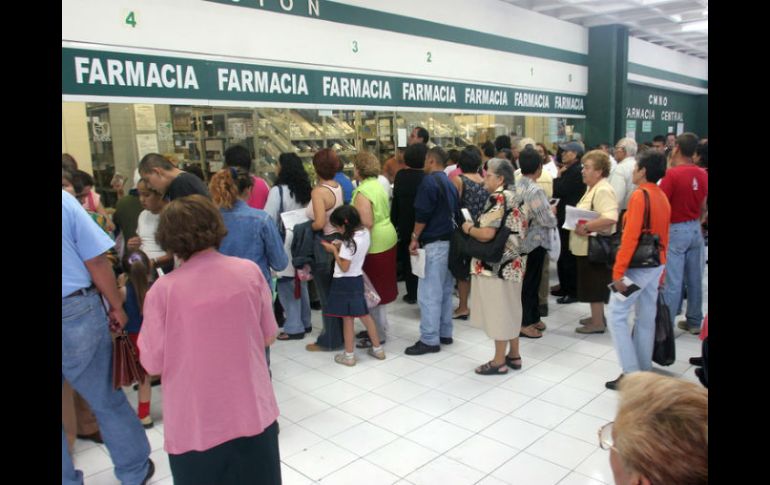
<point x="204" y="331"/>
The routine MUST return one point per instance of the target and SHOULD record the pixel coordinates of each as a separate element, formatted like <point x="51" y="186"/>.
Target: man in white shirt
<point x="622" y="175"/>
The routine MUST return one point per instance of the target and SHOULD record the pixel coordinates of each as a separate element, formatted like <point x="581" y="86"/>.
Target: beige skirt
<point x="495" y="306"/>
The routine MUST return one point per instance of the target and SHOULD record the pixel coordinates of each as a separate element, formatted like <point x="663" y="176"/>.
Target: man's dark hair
<point x="470" y="160"/>
<point x="439" y="155"/>
<point x="488" y="148"/>
<point x="687" y="142"/>
<point x="238" y="156"/>
<point x="454" y="156"/>
<point x="502" y="141"/>
<point x="529" y="161"/>
<point x="654" y="163"/>
<point x="196" y="170"/>
<point x="660" y="138"/>
<point x="507" y="153"/>
<point x="422" y="133"/>
<point x="154" y="160"/>
<point x="414" y="155"/>
<point x="703" y="151"/>
<point x="670" y="133"/>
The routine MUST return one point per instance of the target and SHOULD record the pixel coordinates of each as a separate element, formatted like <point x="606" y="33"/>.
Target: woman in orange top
<point x="635" y="353"/>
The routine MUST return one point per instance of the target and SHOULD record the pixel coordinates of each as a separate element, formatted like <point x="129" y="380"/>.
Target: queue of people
<point x="203" y="266"/>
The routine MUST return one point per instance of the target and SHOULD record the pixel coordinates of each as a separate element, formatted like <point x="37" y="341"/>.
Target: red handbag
<point x="126" y="368"/>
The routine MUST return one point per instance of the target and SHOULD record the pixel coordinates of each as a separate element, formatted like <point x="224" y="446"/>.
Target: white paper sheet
<point x="574" y="215"/>
<point x="418" y="263"/>
<point x="292" y="218"/>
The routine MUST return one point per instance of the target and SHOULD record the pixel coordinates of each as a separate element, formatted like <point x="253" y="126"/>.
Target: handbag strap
<point x="646" y="227"/>
<point x="280" y="195"/>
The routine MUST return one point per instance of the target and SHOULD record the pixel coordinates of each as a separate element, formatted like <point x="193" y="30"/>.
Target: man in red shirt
<point x="686" y="186"/>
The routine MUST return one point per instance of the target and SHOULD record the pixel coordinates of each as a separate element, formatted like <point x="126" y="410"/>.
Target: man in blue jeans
<point x="686" y="186"/>
<point x="87" y="348"/>
<point x="434" y="207"/>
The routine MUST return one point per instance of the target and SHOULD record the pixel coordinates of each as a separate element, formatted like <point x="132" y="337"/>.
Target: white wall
<point x="655" y="56"/>
<point x="224" y="31"/>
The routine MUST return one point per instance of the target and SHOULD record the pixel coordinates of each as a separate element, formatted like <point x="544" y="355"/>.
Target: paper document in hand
<point x="418" y="263"/>
<point x="574" y="215"/>
<point x="292" y="218"/>
<point x="631" y="288"/>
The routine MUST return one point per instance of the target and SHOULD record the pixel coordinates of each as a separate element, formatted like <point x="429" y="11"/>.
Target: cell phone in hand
<point x="466" y="214"/>
<point x="631" y="288"/>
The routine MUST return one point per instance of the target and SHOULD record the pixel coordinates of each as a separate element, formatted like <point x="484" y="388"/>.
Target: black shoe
<point x="410" y="299"/>
<point x="95" y="437"/>
<point x="155" y="382"/>
<point x="420" y="348"/>
<point x="613" y="385"/>
<point x="362" y="334"/>
<point x="558" y="292"/>
<point x="566" y="299"/>
<point x="696" y="361"/>
<point x="150" y="472"/>
<point x="701" y="377"/>
<point x="543" y="309"/>
<point x="447" y="340"/>
<point x="315" y="305"/>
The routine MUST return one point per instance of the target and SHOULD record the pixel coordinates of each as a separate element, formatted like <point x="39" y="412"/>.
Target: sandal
<point x="540" y="325"/>
<point x="366" y="343"/>
<point x="290" y="336"/>
<point x="362" y="334"/>
<point x="590" y="329"/>
<point x="489" y="369"/>
<point x="510" y="362"/>
<point x="531" y="332"/>
<point x="464" y="316"/>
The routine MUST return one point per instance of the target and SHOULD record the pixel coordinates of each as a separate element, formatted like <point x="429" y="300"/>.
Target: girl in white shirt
<point x="346" y="294"/>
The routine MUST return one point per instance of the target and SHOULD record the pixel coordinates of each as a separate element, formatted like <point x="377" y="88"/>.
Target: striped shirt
<point x="537" y="213"/>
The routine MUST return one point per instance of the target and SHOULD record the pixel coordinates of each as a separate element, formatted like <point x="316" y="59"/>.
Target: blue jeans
<point x="635" y="353"/>
<point x="297" y="309"/>
<point x="684" y="265"/>
<point x="434" y="294"/>
<point x="87" y="364"/>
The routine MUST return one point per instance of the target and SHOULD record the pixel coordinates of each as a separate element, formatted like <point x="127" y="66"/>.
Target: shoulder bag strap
<point x="646" y="227"/>
<point x="280" y="195"/>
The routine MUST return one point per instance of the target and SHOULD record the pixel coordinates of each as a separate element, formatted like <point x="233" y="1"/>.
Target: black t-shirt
<point x="402" y="208"/>
<point x="569" y="188"/>
<point x="186" y="184"/>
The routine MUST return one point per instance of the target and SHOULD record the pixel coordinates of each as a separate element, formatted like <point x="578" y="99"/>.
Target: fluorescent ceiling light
<point x="696" y="26"/>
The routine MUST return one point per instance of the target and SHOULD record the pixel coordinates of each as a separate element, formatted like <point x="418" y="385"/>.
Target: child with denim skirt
<point x="346" y="294"/>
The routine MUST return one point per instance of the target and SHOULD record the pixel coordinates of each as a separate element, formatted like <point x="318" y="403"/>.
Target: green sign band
<point x="365" y="17"/>
<point x="666" y="76"/>
<point x="116" y="74"/>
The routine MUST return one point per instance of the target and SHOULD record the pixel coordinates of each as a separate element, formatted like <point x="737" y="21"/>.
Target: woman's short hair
<point x="326" y="163"/>
<point x="367" y="165"/>
<point x="601" y="161"/>
<point x="414" y="155"/>
<point x="661" y="429"/>
<point x="502" y="168"/>
<point x="529" y="161"/>
<point x="654" y="164"/>
<point x="470" y="160"/>
<point x="190" y="224"/>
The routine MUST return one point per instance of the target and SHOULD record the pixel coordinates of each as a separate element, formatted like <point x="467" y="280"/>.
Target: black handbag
<point x="600" y="247"/>
<point x="647" y="253"/>
<point x="491" y="252"/>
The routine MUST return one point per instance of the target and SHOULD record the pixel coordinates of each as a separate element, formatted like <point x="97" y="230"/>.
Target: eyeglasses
<point x="605" y="437"/>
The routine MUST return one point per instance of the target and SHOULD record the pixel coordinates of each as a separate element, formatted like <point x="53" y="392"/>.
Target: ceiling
<point x="681" y="25"/>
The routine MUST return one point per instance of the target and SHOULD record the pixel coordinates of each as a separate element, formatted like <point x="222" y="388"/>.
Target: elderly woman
<point x="206" y="327"/>
<point x="472" y="195"/>
<point x="373" y="205"/>
<point x="541" y="219"/>
<point x="635" y="353"/>
<point x="325" y="197"/>
<point x="593" y="278"/>
<point x="660" y="434"/>
<point x="496" y="295"/>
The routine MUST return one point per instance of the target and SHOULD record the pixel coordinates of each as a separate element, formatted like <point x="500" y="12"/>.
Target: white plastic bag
<point x="555" y="251"/>
<point x="370" y="294"/>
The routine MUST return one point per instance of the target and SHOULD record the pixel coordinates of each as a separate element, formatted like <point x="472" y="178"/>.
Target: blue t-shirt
<point x="347" y="186"/>
<point x="432" y="208"/>
<point x="81" y="239"/>
<point x="131" y="307"/>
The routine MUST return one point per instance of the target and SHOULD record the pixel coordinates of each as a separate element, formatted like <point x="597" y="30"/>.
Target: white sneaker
<point x="345" y="360"/>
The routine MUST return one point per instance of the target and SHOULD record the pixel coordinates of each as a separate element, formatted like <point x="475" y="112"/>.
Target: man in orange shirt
<point x="635" y="353"/>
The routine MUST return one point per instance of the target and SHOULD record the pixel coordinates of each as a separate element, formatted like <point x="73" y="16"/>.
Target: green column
<point x="607" y="81"/>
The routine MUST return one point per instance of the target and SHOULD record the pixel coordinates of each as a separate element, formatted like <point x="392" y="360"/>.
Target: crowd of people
<point x="199" y="275"/>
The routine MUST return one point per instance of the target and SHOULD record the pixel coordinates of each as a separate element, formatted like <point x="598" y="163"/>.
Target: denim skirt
<point x="346" y="298"/>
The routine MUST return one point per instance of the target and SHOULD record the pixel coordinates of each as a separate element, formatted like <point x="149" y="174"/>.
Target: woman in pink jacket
<point x="205" y="330"/>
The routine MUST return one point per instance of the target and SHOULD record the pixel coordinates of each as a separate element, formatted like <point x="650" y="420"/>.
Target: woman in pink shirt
<point x="240" y="156"/>
<point x="205" y="330"/>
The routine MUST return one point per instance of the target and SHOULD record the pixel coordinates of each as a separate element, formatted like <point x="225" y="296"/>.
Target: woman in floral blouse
<point x="496" y="295"/>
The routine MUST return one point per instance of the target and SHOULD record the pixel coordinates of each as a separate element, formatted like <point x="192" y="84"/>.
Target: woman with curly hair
<point x="291" y="191"/>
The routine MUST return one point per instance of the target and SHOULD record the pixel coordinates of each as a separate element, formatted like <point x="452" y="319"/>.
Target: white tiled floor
<point x="430" y="419"/>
